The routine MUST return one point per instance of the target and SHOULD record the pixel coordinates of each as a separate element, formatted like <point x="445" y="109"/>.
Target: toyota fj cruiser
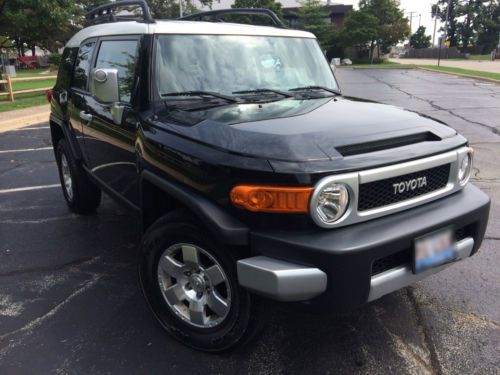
<point x="252" y="175"/>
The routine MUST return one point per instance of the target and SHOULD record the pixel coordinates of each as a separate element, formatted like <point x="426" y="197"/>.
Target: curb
<point x="461" y="75"/>
<point x="21" y="122"/>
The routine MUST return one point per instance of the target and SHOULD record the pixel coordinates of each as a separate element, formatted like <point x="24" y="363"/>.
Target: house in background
<point x="337" y="12"/>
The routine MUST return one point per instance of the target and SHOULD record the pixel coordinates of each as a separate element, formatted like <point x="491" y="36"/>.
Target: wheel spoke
<point x="197" y="313"/>
<point x="218" y="304"/>
<point x="171" y="266"/>
<point x="215" y="274"/>
<point x="174" y="294"/>
<point x="190" y="255"/>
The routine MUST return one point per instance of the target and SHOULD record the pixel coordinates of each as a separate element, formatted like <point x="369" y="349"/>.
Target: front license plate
<point x="434" y="250"/>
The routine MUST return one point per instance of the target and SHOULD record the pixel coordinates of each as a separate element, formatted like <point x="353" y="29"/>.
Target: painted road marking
<point x="28" y="188"/>
<point x="26" y="150"/>
<point x="23" y="129"/>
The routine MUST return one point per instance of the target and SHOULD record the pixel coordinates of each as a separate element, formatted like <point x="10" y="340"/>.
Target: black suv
<point x="252" y="175"/>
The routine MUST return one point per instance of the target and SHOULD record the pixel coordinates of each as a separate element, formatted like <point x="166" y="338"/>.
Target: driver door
<point x="111" y="146"/>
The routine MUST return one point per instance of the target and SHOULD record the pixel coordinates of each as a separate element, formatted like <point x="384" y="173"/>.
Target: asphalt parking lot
<point x="70" y="301"/>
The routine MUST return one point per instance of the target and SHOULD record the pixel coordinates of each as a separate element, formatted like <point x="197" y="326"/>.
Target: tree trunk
<point x="33" y="50"/>
<point x="372" y="46"/>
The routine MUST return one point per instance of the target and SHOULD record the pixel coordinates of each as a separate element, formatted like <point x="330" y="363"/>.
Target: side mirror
<point x="104" y="85"/>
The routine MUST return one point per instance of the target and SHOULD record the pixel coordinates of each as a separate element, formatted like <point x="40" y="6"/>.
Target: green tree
<point x="489" y="26"/>
<point x="30" y="23"/>
<point x="469" y="11"/>
<point x="359" y="29"/>
<point x="420" y="39"/>
<point x="259" y="20"/>
<point x="313" y="17"/>
<point x="453" y="15"/>
<point x="392" y="27"/>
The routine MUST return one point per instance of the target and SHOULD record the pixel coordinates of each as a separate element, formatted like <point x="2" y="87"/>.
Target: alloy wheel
<point x="66" y="174"/>
<point x="194" y="285"/>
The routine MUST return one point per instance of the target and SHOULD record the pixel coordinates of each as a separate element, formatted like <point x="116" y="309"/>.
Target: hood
<point x="293" y="130"/>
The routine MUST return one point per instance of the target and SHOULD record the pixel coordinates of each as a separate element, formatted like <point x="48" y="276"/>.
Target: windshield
<point x="227" y="64"/>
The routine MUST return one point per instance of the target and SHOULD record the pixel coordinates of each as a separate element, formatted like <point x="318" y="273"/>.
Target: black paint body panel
<point x="196" y="157"/>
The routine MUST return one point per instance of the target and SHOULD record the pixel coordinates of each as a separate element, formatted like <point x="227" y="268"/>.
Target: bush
<point x="54" y="59"/>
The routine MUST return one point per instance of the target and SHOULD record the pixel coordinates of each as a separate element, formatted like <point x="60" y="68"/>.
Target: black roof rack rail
<point x="235" y="11"/>
<point x="104" y="13"/>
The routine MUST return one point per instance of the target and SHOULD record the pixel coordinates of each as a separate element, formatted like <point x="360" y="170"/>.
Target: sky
<point x="421" y="9"/>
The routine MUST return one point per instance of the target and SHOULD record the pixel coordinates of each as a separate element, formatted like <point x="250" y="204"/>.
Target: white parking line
<point x="28" y="188"/>
<point x="26" y="150"/>
<point x="23" y="129"/>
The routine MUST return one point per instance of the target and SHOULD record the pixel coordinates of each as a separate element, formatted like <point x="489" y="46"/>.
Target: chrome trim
<point x="399" y="277"/>
<point x="471" y="167"/>
<point x="280" y="280"/>
<point x="408" y="167"/>
<point x="354" y="179"/>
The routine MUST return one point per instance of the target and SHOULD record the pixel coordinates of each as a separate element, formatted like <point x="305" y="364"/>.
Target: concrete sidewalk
<point x="23" y="117"/>
<point x="483" y="66"/>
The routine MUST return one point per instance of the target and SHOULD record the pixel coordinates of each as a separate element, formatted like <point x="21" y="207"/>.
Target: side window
<point x="121" y="55"/>
<point x="82" y="66"/>
<point x="66" y="67"/>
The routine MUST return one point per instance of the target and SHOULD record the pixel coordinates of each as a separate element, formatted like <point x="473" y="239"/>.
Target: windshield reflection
<point x="229" y="63"/>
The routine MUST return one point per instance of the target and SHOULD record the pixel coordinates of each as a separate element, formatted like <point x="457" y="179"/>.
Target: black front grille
<point x="391" y="261"/>
<point x="382" y="193"/>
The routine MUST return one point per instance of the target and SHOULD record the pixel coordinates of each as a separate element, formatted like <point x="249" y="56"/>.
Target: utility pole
<point x="180" y="8"/>
<point x="419" y="20"/>
<point x="435" y="15"/>
<point x="411" y="19"/>
<point x="445" y="32"/>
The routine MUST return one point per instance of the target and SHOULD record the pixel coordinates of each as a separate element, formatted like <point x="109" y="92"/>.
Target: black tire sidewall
<point x="60" y="150"/>
<point x="86" y="195"/>
<point x="221" y="337"/>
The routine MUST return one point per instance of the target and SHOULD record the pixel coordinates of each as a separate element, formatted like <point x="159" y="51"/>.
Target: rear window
<point x="66" y="67"/>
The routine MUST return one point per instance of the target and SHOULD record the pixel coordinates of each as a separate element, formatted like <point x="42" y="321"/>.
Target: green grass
<point x="384" y="65"/>
<point x="446" y="69"/>
<point x="26" y="100"/>
<point x="468" y="72"/>
<point x="480" y="57"/>
<point x="16" y="86"/>
<point x="22" y="101"/>
<point x="24" y="73"/>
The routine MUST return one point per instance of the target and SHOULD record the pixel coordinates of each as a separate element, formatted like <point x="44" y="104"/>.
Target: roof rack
<point x="236" y="11"/>
<point x="106" y="13"/>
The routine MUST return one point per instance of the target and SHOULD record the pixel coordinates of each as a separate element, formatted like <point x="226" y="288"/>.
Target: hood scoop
<point x="385" y="144"/>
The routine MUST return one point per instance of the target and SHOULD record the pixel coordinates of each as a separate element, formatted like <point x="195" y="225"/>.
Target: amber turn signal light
<point x="272" y="198"/>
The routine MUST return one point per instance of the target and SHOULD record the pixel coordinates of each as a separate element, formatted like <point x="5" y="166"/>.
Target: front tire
<point x="81" y="194"/>
<point x="190" y="283"/>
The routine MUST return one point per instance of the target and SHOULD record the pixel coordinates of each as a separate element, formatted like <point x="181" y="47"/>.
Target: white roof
<point x="181" y="27"/>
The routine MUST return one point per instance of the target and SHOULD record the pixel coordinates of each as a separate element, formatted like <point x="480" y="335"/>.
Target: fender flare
<point x="68" y="136"/>
<point x="224" y="226"/>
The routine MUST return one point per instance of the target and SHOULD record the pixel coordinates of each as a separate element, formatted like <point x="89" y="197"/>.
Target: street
<point x="70" y="301"/>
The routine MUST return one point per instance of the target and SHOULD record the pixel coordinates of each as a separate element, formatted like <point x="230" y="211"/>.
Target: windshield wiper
<point x="202" y="94"/>
<point x="263" y="91"/>
<point x="312" y="88"/>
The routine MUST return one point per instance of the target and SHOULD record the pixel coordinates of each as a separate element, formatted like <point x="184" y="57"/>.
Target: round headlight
<point x="330" y="203"/>
<point x="465" y="169"/>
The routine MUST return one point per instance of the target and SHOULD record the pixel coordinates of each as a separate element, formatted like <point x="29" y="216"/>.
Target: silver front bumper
<point x="280" y="280"/>
<point x="284" y="281"/>
<point x="397" y="278"/>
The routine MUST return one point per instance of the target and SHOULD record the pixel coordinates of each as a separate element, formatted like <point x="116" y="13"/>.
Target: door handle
<point x="85" y="116"/>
